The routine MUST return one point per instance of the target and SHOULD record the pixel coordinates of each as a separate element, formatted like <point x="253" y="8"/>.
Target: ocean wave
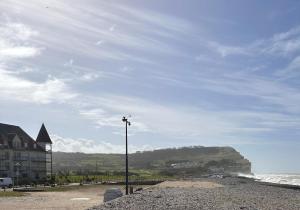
<point x="290" y="179"/>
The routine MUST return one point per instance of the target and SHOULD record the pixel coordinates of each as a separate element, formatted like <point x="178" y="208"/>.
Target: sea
<point x="289" y="179"/>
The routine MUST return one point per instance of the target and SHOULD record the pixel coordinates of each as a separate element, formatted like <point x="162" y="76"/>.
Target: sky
<point x="186" y="73"/>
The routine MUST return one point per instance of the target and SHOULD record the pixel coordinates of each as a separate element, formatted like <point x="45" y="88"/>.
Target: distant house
<point x="23" y="158"/>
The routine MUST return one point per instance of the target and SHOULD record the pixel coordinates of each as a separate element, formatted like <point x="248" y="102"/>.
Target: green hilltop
<point x="186" y="161"/>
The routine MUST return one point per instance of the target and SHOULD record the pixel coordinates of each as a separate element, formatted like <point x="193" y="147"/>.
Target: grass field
<point x="11" y="194"/>
<point x="136" y="175"/>
<point x="65" y="188"/>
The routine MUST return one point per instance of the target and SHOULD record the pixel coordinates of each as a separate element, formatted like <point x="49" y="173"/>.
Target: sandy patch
<point x="78" y="199"/>
<point x="188" y="184"/>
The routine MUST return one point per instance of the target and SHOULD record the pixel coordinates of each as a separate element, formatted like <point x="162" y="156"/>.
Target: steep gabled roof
<point x="8" y="132"/>
<point x="43" y="135"/>
<point x="11" y="136"/>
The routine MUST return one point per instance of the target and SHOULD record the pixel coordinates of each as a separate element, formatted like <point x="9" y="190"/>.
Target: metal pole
<point x="126" y="161"/>
<point x="18" y="176"/>
<point x="125" y="120"/>
<point x="51" y="164"/>
<point x="18" y="171"/>
<point x="96" y="167"/>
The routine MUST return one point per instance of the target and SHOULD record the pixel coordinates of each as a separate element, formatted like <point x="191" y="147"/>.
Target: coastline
<point x="287" y="186"/>
<point x="273" y="184"/>
<point x="210" y="193"/>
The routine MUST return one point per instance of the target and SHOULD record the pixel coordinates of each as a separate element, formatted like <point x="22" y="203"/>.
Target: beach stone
<point x="233" y="195"/>
<point x="111" y="194"/>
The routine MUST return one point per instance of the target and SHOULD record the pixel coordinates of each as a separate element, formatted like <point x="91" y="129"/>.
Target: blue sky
<point x="209" y="73"/>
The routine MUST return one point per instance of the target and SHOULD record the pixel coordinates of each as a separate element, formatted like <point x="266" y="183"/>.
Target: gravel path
<point x="235" y="194"/>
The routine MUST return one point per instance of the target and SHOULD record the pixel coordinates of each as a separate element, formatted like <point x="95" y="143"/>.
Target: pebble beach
<point x="209" y="194"/>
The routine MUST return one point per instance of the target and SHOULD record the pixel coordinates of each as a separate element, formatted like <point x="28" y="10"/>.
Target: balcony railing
<point x="29" y="159"/>
<point x="38" y="169"/>
<point x="4" y="169"/>
<point x="4" y="157"/>
<point x="24" y="168"/>
<point x="21" y="158"/>
<point x="38" y="159"/>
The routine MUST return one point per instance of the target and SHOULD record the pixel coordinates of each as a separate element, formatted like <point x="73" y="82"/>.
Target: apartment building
<point x="23" y="158"/>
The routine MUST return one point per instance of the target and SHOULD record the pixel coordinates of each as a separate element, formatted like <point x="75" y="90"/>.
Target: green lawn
<point x="69" y="188"/>
<point x="11" y="194"/>
<point x="137" y="175"/>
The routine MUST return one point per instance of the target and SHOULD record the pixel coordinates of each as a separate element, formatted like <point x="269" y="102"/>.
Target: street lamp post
<point x="124" y="119"/>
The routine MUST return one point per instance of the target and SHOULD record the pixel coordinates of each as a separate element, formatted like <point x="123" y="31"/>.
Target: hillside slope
<point x="183" y="161"/>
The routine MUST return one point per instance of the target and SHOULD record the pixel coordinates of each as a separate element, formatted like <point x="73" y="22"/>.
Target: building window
<point x="6" y="156"/>
<point x="16" y="144"/>
<point x="6" y="165"/>
<point x="17" y="156"/>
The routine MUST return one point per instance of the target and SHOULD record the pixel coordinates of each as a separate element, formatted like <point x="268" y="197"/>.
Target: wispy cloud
<point x="17" y="31"/>
<point x="291" y="71"/>
<point x="224" y="50"/>
<point x="13" y="37"/>
<point x="15" y="45"/>
<point x="90" y="76"/>
<point x="98" y="54"/>
<point x="188" y="122"/>
<point x="99" y="42"/>
<point x="17" y="52"/>
<point x="69" y="63"/>
<point x="167" y="23"/>
<point x="270" y="92"/>
<point x="64" y="144"/>
<point x="15" y="88"/>
<point x="280" y="44"/>
<point x="112" y="28"/>
<point x="286" y="42"/>
<point x="121" y="44"/>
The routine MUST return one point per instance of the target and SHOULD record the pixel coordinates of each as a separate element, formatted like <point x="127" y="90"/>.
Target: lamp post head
<point x="124" y="119"/>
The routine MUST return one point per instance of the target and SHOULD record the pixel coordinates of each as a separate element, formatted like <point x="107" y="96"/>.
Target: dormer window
<point x="16" y="144"/>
